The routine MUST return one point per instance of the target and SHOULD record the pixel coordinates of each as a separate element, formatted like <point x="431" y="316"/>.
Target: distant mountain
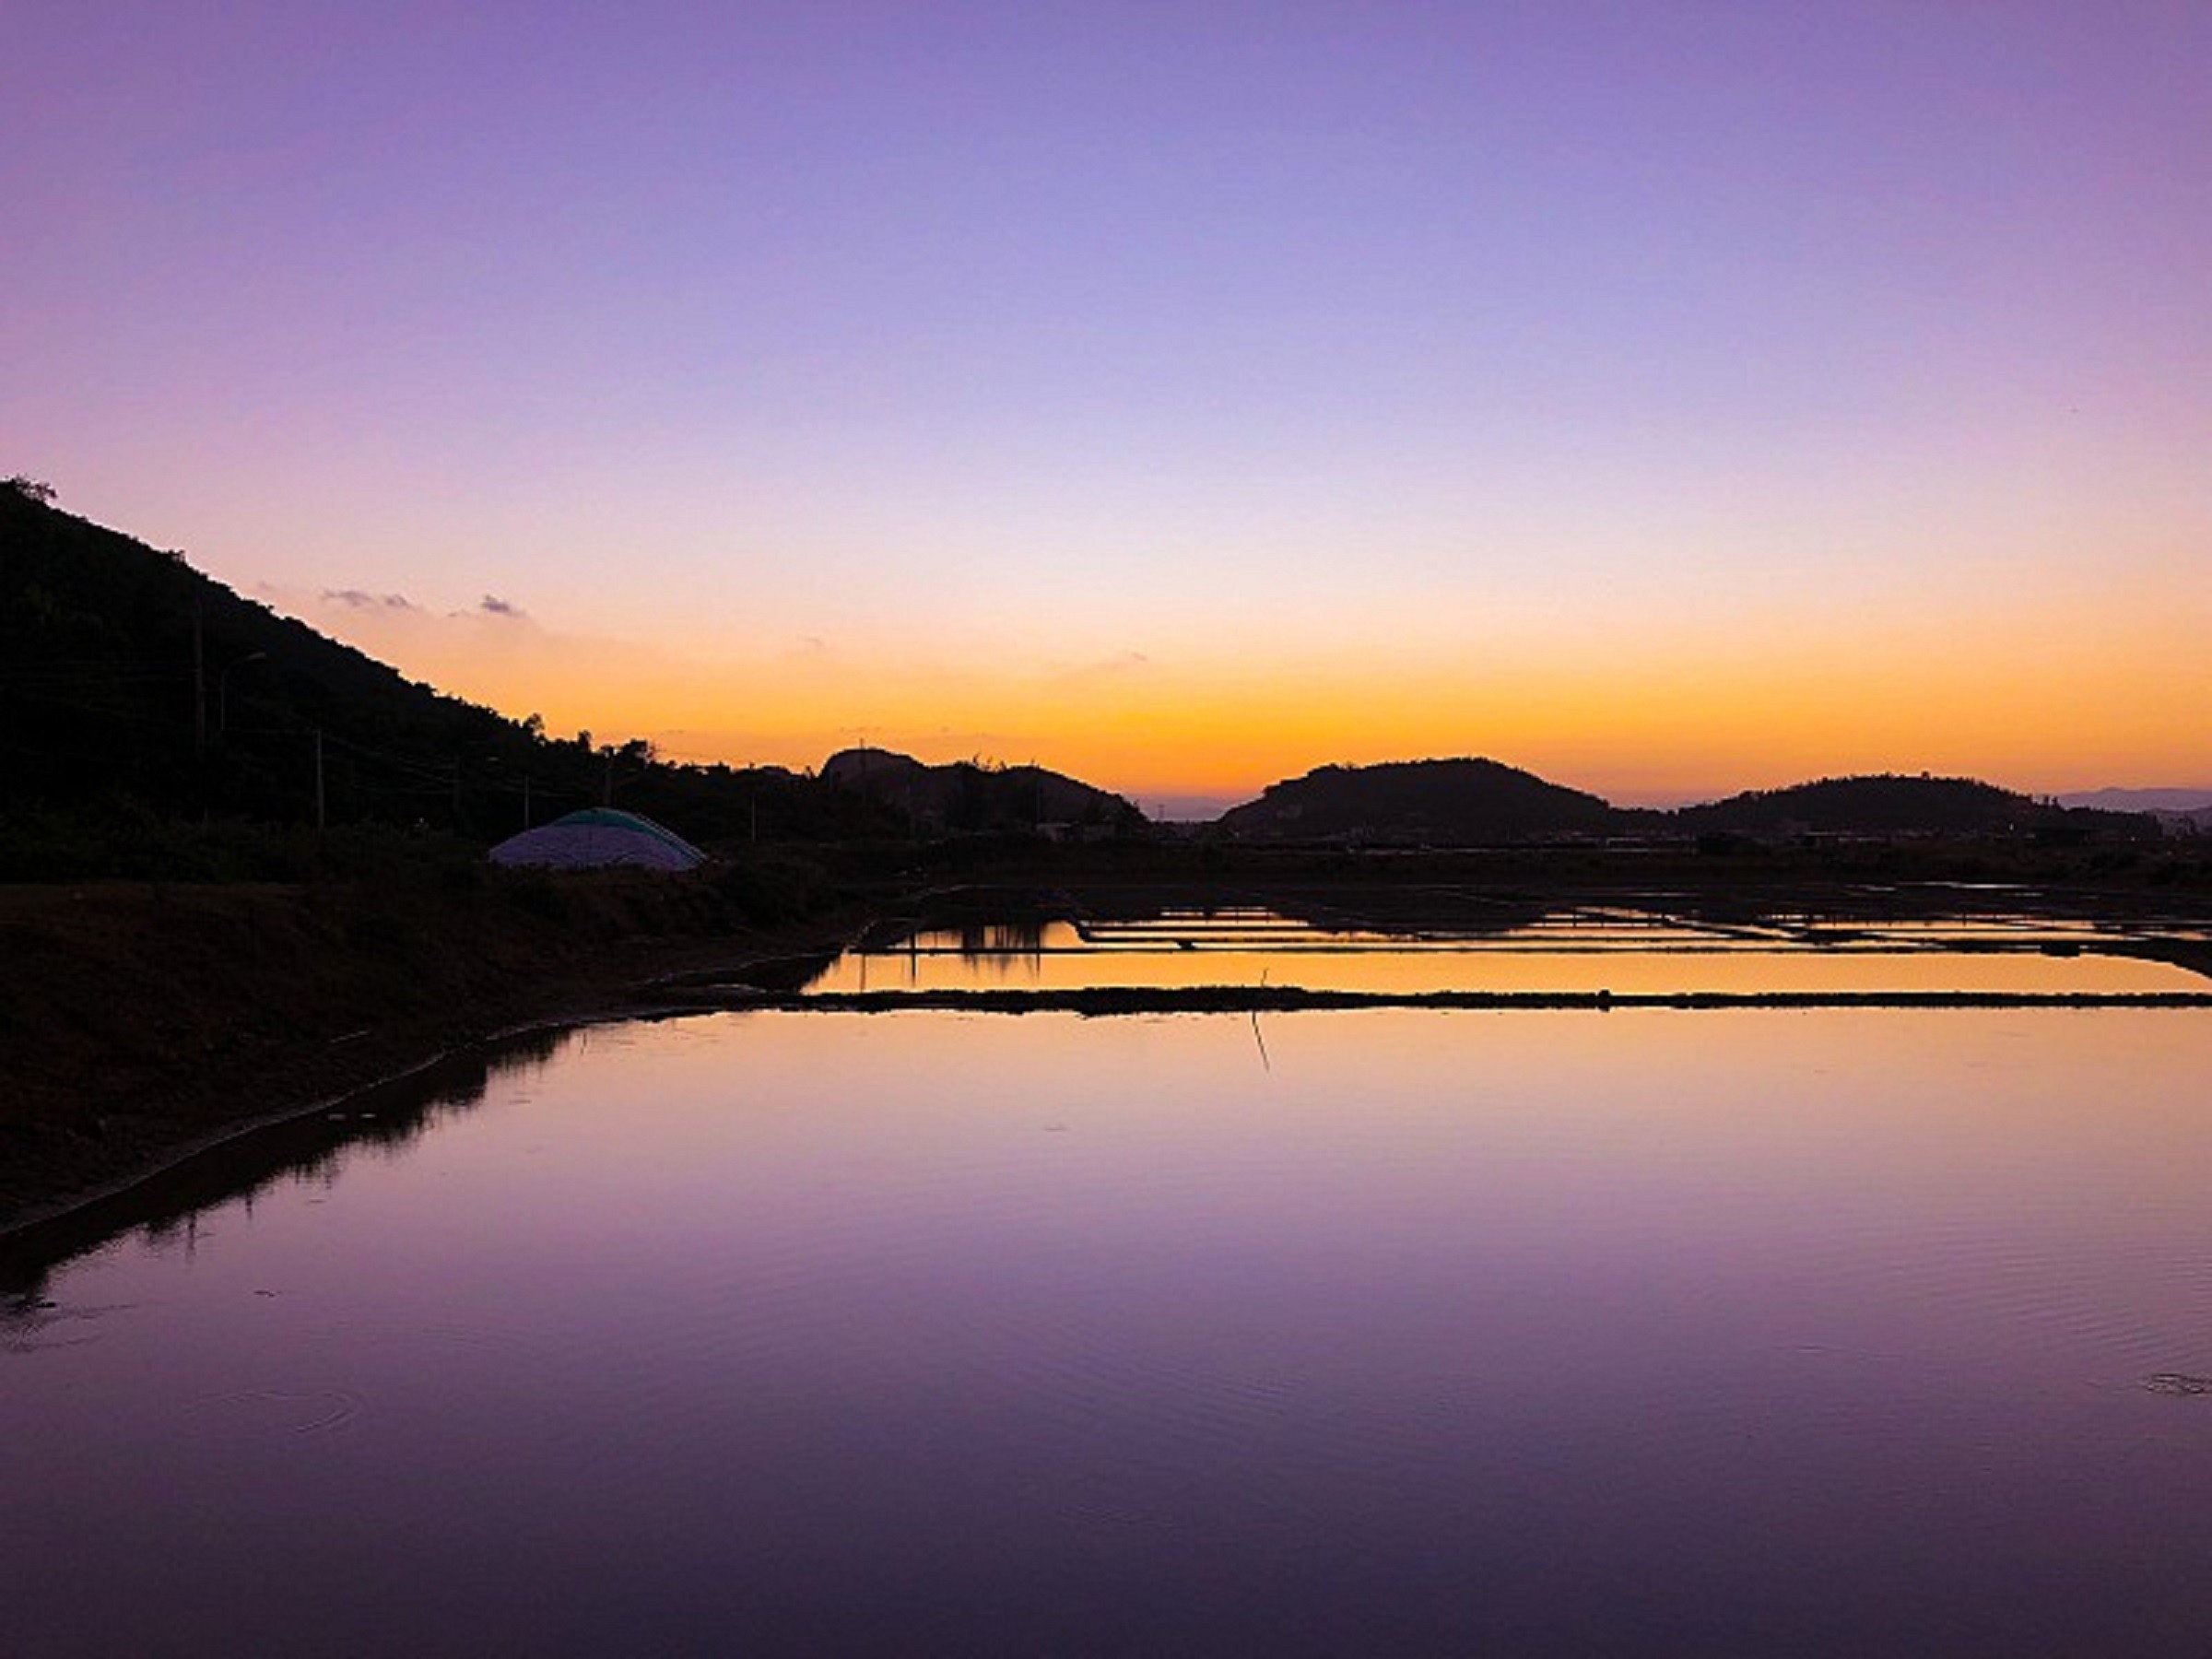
<point x="1450" y="803"/>
<point x="133" y="686"/>
<point x="2141" y="800"/>
<point x="1474" y="801"/>
<point x="1889" y="804"/>
<point x="966" y="796"/>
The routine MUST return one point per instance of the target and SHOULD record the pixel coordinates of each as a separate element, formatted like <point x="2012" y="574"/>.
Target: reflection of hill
<point x="1003" y="943"/>
<point x="1435" y="802"/>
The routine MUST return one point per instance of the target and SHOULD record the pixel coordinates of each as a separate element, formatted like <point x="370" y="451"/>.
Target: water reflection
<point x="1417" y="941"/>
<point x="306" y="1152"/>
<point x="1818" y="1332"/>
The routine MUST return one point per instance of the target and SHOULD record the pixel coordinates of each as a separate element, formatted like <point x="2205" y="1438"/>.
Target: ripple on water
<point x="2181" y="1383"/>
<point x="291" y="1413"/>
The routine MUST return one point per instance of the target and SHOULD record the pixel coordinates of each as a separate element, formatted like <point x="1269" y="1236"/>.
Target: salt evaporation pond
<point x="1806" y="1332"/>
<point x="1574" y="949"/>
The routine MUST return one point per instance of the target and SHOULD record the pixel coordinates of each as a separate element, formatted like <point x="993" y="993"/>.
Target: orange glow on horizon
<point x="2031" y="699"/>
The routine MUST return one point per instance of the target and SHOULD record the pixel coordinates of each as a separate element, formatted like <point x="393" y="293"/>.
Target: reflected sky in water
<point x="1580" y="949"/>
<point x="1807" y="1332"/>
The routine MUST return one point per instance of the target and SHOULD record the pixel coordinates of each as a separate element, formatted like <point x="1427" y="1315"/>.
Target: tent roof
<point x="598" y="836"/>
<point x="608" y="817"/>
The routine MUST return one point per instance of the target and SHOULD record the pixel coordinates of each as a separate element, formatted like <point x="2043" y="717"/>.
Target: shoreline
<point x="1107" y="1001"/>
<point x="156" y="1010"/>
<point x="87" y="1125"/>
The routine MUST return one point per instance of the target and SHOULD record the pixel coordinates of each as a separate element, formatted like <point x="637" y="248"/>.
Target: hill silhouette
<point x="1478" y="802"/>
<point x="1886" y="804"/>
<point x="2184" y="811"/>
<point x="135" y="688"/>
<point x="1444" y="802"/>
<point x="967" y="795"/>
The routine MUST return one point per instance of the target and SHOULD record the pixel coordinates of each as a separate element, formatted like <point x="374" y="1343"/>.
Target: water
<point x="1409" y="1332"/>
<point x="1625" y="949"/>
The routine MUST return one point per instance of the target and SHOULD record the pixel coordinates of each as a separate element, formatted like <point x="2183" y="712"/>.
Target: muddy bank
<point x="139" y="1021"/>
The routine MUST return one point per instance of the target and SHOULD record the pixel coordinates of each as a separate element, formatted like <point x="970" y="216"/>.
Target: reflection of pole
<point x="322" y="818"/>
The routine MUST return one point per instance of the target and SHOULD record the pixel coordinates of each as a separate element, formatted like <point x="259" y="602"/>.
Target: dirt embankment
<point x="139" y="1020"/>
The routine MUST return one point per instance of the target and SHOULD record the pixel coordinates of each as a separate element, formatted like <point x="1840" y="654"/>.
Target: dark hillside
<point x="969" y="798"/>
<point x="1893" y="805"/>
<point x="136" y="691"/>
<point x="133" y="680"/>
<point x="1441" y="802"/>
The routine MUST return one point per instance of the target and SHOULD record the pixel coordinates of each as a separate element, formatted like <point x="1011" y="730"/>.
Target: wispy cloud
<point x="360" y="599"/>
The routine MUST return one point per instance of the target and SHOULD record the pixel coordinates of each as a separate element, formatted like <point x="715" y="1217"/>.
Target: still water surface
<point x="1386" y="1332"/>
<point x="1585" y="948"/>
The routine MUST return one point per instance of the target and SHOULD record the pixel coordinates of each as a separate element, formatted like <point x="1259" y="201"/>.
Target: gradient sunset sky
<point x="1669" y="399"/>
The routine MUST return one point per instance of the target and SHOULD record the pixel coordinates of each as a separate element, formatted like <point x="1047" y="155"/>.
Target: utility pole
<point x="199" y="679"/>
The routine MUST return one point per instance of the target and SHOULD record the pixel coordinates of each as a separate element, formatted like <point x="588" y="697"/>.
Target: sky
<point x="1671" y="398"/>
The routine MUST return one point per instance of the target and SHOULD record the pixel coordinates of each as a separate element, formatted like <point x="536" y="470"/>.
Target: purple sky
<point x="956" y="350"/>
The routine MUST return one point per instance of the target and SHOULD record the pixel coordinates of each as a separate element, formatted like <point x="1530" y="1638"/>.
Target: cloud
<point x="356" y="599"/>
<point x="361" y="602"/>
<point x="1113" y="667"/>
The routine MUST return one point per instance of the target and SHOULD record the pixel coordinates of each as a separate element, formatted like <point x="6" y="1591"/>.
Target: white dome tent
<point x="595" y="838"/>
